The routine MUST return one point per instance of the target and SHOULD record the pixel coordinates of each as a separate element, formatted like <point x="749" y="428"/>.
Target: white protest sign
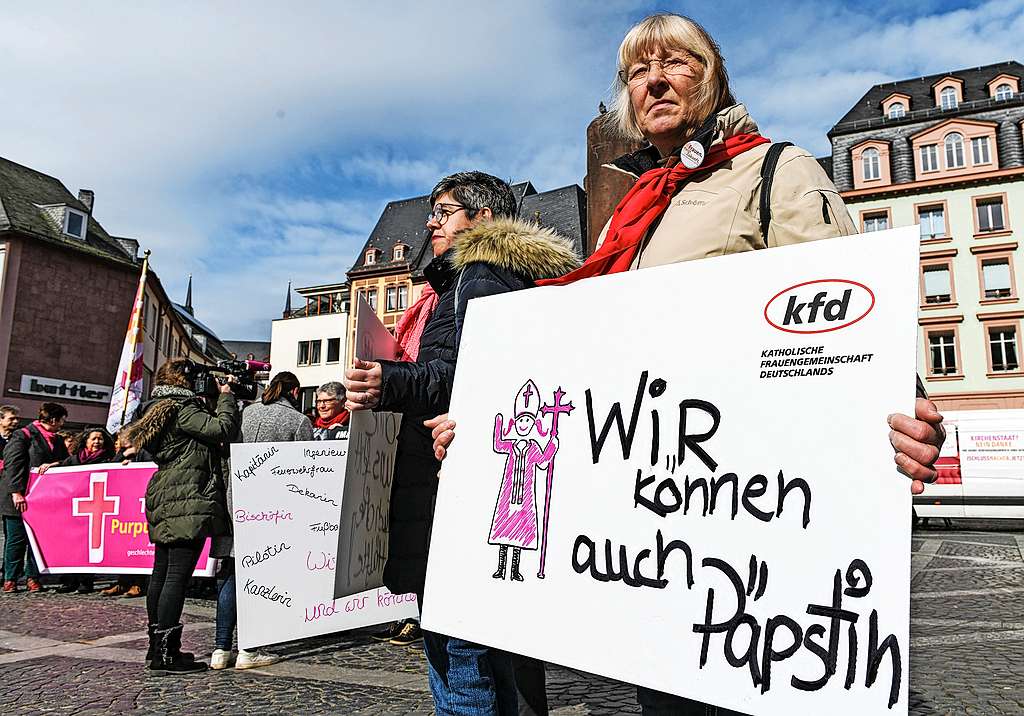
<point x="286" y="498"/>
<point x="363" y="525"/>
<point x="716" y="513"/>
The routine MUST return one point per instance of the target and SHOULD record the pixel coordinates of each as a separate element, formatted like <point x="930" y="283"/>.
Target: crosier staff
<point x="556" y="409"/>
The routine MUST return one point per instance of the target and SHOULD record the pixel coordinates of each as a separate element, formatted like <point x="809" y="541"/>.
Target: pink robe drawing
<point x="515" y="514"/>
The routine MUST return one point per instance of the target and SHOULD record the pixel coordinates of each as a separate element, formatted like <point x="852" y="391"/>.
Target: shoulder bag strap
<point x="771" y="160"/>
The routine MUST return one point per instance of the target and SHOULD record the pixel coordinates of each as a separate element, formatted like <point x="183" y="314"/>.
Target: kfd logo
<point x="819" y="306"/>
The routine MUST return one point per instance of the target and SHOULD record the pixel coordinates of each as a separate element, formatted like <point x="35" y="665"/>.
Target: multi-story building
<point x="66" y="295"/>
<point x="388" y="273"/>
<point x="310" y="341"/>
<point x="947" y="152"/>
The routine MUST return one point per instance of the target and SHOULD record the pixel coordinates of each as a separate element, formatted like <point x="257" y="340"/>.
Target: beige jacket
<point x="717" y="212"/>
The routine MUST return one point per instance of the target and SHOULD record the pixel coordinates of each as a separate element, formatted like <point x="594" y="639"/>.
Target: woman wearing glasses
<point x="331" y="422"/>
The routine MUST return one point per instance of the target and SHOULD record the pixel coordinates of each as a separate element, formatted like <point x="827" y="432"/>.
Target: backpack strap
<point x="771" y="160"/>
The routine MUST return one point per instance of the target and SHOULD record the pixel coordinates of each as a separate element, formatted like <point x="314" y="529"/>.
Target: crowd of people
<point x="672" y="90"/>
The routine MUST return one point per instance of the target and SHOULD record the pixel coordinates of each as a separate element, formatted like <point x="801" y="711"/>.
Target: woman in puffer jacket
<point x="185" y="500"/>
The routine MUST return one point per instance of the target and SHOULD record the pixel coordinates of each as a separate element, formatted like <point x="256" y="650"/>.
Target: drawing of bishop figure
<point x="515" y="514"/>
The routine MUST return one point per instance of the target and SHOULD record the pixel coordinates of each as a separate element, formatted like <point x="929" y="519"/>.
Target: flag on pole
<point x="127" y="393"/>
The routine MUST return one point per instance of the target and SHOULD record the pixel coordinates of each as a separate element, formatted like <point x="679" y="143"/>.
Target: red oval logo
<point x="819" y="306"/>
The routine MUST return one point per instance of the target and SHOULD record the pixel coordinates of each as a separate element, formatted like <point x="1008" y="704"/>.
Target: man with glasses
<point x="332" y="418"/>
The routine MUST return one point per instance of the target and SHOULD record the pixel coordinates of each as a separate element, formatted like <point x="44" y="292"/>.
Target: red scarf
<point x="410" y="327"/>
<point x="642" y="206"/>
<point x="339" y="419"/>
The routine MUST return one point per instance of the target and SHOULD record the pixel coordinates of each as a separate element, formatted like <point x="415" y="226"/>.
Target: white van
<point x="981" y="467"/>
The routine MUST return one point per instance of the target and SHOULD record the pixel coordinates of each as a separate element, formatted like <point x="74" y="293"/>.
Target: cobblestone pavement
<point x="72" y="654"/>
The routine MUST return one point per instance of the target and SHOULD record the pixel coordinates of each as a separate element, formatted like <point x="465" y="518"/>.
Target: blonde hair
<point x="666" y="32"/>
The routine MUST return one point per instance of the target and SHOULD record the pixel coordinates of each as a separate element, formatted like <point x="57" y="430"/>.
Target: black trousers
<point x="656" y="703"/>
<point x="172" y="570"/>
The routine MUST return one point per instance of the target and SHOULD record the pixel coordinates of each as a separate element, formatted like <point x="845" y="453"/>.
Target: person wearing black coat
<point x="29" y="447"/>
<point x="480" y="249"/>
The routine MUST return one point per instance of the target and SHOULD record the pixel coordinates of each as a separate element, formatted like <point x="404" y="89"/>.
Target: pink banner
<point x="92" y="519"/>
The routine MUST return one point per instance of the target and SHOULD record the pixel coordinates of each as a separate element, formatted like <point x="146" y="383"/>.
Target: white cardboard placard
<point x="286" y="500"/>
<point x="764" y="378"/>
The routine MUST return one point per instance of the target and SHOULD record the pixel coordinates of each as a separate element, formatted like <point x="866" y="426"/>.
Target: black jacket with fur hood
<point x="490" y="258"/>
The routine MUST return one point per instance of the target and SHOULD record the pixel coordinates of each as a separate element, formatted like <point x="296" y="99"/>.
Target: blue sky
<point x="252" y="143"/>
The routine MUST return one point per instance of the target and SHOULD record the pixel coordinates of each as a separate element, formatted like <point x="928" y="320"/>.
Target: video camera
<point x="206" y="378"/>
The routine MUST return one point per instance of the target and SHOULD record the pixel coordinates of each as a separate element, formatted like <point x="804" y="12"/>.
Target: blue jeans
<point x="468" y="679"/>
<point x="227" y="607"/>
<point x="16" y="551"/>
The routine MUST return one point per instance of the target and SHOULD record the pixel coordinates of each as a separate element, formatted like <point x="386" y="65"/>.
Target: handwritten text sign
<point x="286" y="500"/>
<point x="373" y="437"/>
<point x="687" y="468"/>
<point x="92" y="519"/>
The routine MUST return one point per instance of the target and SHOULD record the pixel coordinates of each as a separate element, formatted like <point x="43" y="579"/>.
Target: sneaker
<point x="220" y="659"/>
<point x="389" y="632"/>
<point x="115" y="590"/>
<point x="253" y="659"/>
<point x="410" y="634"/>
<point x="33" y="585"/>
<point x="10" y="586"/>
<point x="133" y="591"/>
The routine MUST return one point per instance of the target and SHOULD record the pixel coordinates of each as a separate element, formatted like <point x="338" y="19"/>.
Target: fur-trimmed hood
<point x="161" y="412"/>
<point x="523" y="247"/>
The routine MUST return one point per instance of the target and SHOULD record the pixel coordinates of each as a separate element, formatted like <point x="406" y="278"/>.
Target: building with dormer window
<point x="947" y="152"/>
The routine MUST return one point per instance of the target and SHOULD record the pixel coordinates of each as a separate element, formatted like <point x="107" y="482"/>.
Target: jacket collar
<point x="522" y="247"/>
<point x="729" y="122"/>
<point x="441" y="273"/>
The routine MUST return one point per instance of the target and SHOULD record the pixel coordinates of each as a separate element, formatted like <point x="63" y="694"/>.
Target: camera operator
<point x="185" y="501"/>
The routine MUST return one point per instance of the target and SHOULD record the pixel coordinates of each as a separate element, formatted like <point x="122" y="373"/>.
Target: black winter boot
<point x="167" y="660"/>
<point x="154" y="640"/>
<point x="176" y="647"/>
<point x="516" y="554"/>
<point x="502" y="558"/>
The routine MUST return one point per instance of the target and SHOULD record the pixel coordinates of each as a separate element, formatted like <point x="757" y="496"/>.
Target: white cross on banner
<point x="725" y="521"/>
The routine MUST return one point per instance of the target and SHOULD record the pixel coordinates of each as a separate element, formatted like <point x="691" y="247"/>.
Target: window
<point x="399" y="253"/>
<point x="333" y="350"/>
<point x="871" y="164"/>
<point x="403" y="297"/>
<point x="878" y="221"/>
<point x="314" y="352"/>
<point x="948" y="98"/>
<point x="1002" y="343"/>
<point x="990" y="215"/>
<point x="996" y="277"/>
<point x="392" y="298"/>
<point x="979" y="150"/>
<point x="937" y="284"/>
<point x="371" y="298"/>
<point x="929" y="158"/>
<point x="954" y="150"/>
<point x="74" y="223"/>
<point x="942" y="347"/>
<point x="897" y="110"/>
<point x="303" y="358"/>
<point x="371" y="257"/>
<point x="1004" y="91"/>
<point x="933" y="221"/>
<point x="309" y="353"/>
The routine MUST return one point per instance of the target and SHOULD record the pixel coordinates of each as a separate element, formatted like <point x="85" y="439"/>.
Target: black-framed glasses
<point x="638" y="73"/>
<point x="441" y="212"/>
<point x="326" y="401"/>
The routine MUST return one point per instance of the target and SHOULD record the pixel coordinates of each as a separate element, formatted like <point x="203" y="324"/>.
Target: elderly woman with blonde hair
<point x="709" y="184"/>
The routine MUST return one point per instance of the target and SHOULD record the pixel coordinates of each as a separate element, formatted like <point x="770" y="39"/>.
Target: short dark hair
<point x="477" y="190"/>
<point x="48" y="412"/>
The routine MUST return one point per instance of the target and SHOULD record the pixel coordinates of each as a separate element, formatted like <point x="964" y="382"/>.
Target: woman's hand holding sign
<point x="917" y="443"/>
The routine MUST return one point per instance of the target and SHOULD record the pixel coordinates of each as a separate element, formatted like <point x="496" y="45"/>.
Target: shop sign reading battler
<point x="687" y="468"/>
